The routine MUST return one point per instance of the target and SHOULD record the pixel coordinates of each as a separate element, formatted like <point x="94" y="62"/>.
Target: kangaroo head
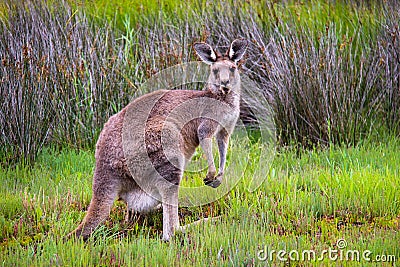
<point x="224" y="76"/>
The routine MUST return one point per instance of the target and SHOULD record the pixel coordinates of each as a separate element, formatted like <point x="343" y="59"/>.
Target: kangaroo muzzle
<point x="225" y="89"/>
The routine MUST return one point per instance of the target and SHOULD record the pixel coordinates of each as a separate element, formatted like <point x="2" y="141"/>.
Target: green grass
<point x="315" y="14"/>
<point x="309" y="200"/>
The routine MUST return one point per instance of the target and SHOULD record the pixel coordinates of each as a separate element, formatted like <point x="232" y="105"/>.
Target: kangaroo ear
<point x="205" y="52"/>
<point x="237" y="49"/>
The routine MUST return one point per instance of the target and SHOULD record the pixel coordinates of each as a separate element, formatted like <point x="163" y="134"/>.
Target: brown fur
<point x="113" y="172"/>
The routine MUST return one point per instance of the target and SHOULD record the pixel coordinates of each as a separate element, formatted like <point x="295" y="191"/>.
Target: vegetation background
<point x="330" y="71"/>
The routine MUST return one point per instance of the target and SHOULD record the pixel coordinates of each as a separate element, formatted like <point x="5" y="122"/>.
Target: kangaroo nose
<point x="225" y="83"/>
<point x="224" y="86"/>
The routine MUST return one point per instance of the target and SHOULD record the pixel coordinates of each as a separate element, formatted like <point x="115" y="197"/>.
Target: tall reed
<point x="331" y="76"/>
<point x="61" y="77"/>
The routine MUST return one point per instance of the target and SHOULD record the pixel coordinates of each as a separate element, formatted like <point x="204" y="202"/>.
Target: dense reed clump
<point x="334" y="88"/>
<point x="330" y="75"/>
<point x="61" y="77"/>
<point x="387" y="53"/>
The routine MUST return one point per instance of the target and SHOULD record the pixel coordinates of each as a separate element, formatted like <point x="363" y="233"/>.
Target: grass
<point x="315" y="14"/>
<point x="309" y="200"/>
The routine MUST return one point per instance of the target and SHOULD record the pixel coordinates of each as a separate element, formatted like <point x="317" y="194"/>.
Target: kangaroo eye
<point x="232" y="69"/>
<point x="215" y="72"/>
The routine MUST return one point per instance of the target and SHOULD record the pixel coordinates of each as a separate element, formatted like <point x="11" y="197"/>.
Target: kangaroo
<point x="115" y="175"/>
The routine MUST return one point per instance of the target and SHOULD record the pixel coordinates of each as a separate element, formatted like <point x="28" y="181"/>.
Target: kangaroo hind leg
<point x="105" y="192"/>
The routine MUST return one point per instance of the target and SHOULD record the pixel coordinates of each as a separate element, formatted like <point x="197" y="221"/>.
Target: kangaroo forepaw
<point x="214" y="182"/>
